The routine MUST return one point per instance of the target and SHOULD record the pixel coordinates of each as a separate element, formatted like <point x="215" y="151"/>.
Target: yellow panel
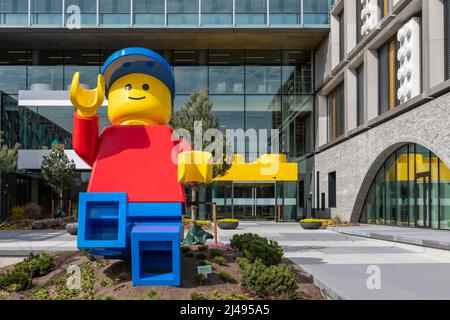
<point x="270" y="167"/>
<point x="444" y="172"/>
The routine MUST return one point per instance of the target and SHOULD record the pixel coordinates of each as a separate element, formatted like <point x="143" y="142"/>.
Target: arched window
<point x="412" y="188"/>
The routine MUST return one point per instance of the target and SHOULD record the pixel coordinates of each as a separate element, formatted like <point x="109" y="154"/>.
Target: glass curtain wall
<point x="285" y="12"/>
<point x="148" y="12"/>
<point x="217" y="12"/>
<point x="182" y="12"/>
<point x="251" y="12"/>
<point x="14" y="12"/>
<point x="115" y="12"/>
<point x="46" y="12"/>
<point x="88" y="10"/>
<point x="412" y="188"/>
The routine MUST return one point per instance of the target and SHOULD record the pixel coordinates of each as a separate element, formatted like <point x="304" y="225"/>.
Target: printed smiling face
<point x="139" y="99"/>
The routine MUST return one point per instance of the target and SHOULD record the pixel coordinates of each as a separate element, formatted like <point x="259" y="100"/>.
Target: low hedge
<point x="255" y="247"/>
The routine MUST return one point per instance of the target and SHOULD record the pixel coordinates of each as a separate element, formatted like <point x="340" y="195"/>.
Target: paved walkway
<point x="339" y="263"/>
<point x="439" y="239"/>
<point x="19" y="243"/>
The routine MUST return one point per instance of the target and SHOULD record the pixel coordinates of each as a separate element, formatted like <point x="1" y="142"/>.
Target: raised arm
<point x="85" y="119"/>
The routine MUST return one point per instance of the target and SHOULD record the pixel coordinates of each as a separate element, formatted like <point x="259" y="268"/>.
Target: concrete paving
<point x="439" y="239"/>
<point x="20" y="243"/>
<point x="343" y="265"/>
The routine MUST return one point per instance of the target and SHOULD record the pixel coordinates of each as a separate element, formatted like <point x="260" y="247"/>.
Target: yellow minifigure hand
<point x="87" y="101"/>
<point x="195" y="166"/>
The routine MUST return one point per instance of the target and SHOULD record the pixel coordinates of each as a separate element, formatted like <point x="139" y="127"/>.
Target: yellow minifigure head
<point x="140" y="87"/>
<point x="139" y="99"/>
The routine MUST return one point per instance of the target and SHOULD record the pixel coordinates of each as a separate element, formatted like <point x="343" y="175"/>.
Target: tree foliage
<point x="198" y="108"/>
<point x="8" y="157"/>
<point x="58" y="170"/>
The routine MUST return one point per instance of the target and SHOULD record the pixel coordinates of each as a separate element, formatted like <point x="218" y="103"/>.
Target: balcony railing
<point x="165" y="13"/>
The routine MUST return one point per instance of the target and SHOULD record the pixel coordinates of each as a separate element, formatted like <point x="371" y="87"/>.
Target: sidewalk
<point x="339" y="263"/>
<point x="439" y="239"/>
<point x="21" y="243"/>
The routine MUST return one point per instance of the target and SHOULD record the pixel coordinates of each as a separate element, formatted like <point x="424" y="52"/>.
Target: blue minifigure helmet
<point x="138" y="60"/>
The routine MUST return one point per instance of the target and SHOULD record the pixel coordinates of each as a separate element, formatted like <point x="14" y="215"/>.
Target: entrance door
<point x="423" y="200"/>
<point x="254" y="201"/>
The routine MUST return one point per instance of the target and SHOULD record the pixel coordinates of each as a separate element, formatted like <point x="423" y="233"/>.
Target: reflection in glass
<point x="217" y="12"/>
<point x="14" y="12"/>
<point x="411" y="188"/>
<point x="263" y="80"/>
<point x="88" y="9"/>
<point x="182" y="12"/>
<point x="188" y="79"/>
<point x="88" y="75"/>
<point x="13" y="78"/>
<point x="229" y="110"/>
<point x="285" y="12"/>
<point x="46" y="12"/>
<point x="226" y="80"/>
<point x="251" y="12"/>
<point x="148" y="12"/>
<point x="316" y="12"/>
<point x="49" y="75"/>
<point x="114" y="12"/>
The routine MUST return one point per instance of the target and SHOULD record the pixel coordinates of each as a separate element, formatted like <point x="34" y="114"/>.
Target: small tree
<point x="198" y="108"/>
<point x="8" y="157"/>
<point x="58" y="171"/>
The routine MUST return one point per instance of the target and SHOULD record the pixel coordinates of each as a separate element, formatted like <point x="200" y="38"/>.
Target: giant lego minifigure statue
<point x="133" y="205"/>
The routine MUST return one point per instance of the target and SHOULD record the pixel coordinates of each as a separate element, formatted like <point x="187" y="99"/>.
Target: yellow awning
<point x="269" y="167"/>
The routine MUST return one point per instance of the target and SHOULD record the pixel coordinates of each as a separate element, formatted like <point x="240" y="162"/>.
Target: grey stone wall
<point x="356" y="161"/>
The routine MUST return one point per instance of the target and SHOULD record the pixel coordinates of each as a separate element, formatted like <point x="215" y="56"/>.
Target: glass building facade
<point x="412" y="188"/>
<point x="166" y="13"/>
<point x="249" y="89"/>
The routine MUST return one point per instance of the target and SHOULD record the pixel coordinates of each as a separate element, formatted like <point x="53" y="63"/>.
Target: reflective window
<point x="229" y="110"/>
<point x="14" y="12"/>
<point x="13" y="70"/>
<point x="411" y="189"/>
<point x="46" y="70"/>
<point x="249" y="12"/>
<point x="87" y="9"/>
<point x="148" y="12"/>
<point x="114" y="12"/>
<point x="285" y="12"/>
<point x="217" y="12"/>
<point x="316" y="12"/>
<point x="297" y="72"/>
<point x="46" y="12"/>
<point x="86" y="62"/>
<point x="226" y="80"/>
<point x="336" y="113"/>
<point x="188" y="79"/>
<point x="182" y="12"/>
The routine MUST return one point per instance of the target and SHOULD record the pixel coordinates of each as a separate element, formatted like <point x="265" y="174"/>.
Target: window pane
<point x="88" y="10"/>
<point x="391" y="191"/>
<point x="226" y="80"/>
<point x="148" y="12"/>
<point x="434" y="192"/>
<point x="217" y="12"/>
<point x="297" y="72"/>
<point x="13" y="79"/>
<point x="182" y="12"/>
<point x="316" y="12"/>
<point x="444" y="192"/>
<point x="114" y="12"/>
<point x="251" y="12"/>
<point x="188" y="79"/>
<point x="360" y="116"/>
<point x="229" y="110"/>
<point x="14" y="12"/>
<point x="46" y="12"/>
<point x="285" y="12"/>
<point x="403" y="187"/>
<point x="383" y="78"/>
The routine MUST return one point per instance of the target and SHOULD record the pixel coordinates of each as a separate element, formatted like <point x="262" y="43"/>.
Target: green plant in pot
<point x="228" y="224"/>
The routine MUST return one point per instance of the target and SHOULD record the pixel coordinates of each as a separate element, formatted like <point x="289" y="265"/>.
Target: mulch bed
<point x="113" y="280"/>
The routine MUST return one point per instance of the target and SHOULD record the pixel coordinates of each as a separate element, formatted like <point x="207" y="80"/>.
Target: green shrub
<point x="153" y="295"/>
<point x="269" y="282"/>
<point x="200" y="278"/>
<point x="225" y="276"/>
<point x="217" y="295"/>
<point x="220" y="261"/>
<point x="204" y="263"/>
<point x="185" y="249"/>
<point x="214" y="252"/>
<point x="201" y="256"/>
<point x="197" y="296"/>
<point x="203" y="248"/>
<point x="190" y="254"/>
<point x="37" y="266"/>
<point x="15" y="280"/>
<point x="256" y="247"/>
